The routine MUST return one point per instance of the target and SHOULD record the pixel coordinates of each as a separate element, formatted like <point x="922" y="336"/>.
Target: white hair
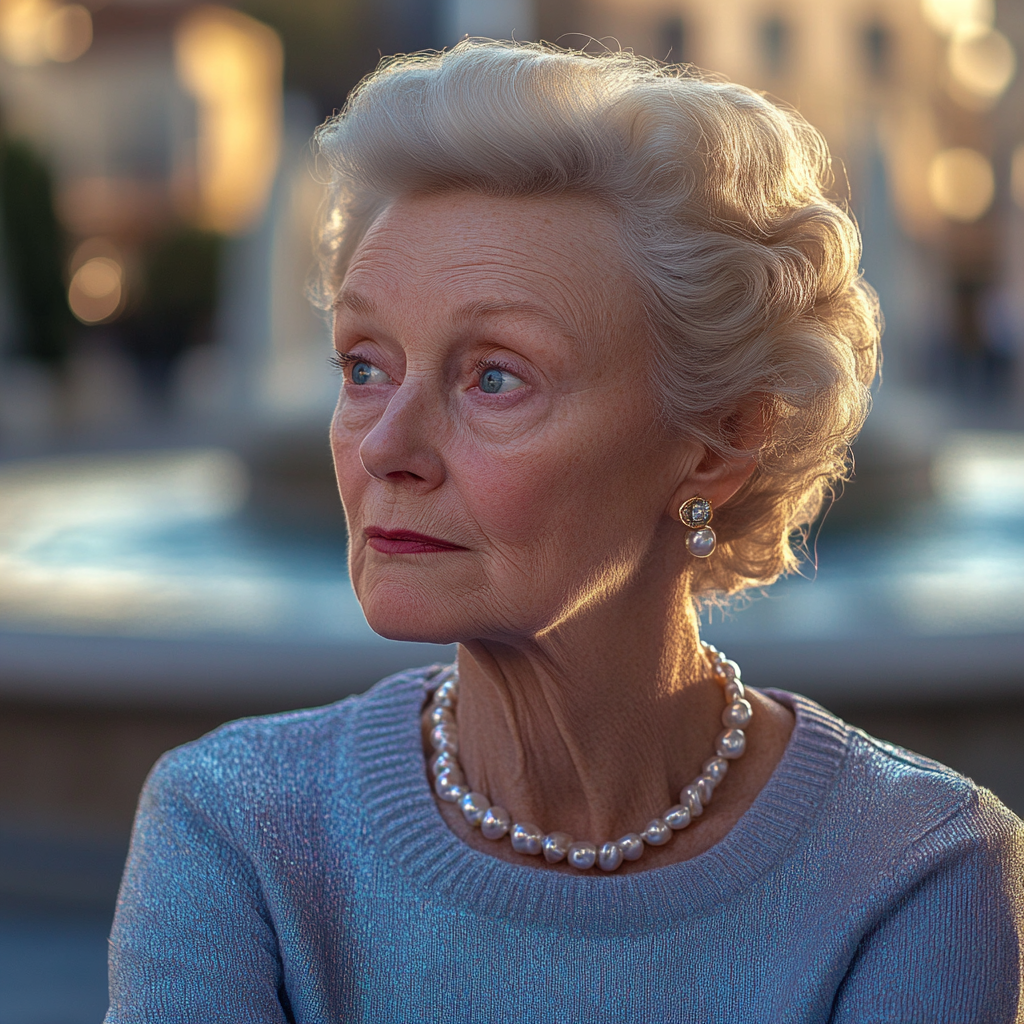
<point x="748" y="272"/>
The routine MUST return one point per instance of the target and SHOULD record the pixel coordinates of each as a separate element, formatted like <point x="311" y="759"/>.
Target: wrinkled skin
<point x="497" y="396"/>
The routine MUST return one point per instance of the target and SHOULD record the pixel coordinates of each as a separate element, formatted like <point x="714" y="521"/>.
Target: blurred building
<point x="161" y="125"/>
<point x="155" y="163"/>
<point x="186" y="223"/>
<point x="918" y="100"/>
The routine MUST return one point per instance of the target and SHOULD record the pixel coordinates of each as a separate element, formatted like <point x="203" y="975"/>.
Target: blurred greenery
<point x="34" y="248"/>
<point x="181" y="274"/>
<point x="176" y="305"/>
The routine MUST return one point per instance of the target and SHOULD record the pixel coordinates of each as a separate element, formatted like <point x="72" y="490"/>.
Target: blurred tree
<point x="34" y="250"/>
<point x="181" y="274"/>
<point x="325" y="46"/>
<point x="175" y="310"/>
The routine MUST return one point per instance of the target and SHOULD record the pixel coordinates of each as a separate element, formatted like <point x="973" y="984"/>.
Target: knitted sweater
<point x="295" y="868"/>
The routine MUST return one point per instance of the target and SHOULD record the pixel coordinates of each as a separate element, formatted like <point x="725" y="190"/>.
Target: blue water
<point x="207" y="546"/>
<point x="202" y="575"/>
<point x="184" y="571"/>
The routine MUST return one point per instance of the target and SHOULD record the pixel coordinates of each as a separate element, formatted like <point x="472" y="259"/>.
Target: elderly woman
<point x="604" y="347"/>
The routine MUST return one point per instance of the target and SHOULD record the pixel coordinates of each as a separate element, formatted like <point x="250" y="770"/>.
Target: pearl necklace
<point x="496" y="822"/>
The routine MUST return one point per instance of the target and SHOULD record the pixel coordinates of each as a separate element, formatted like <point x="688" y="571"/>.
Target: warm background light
<point x="97" y="290"/>
<point x="949" y="16"/>
<point x="982" y="62"/>
<point x="34" y="31"/>
<point x="961" y="183"/>
<point x="232" y="65"/>
<point x="67" y="33"/>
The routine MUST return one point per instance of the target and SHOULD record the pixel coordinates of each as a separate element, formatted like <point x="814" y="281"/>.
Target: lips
<point x="406" y="542"/>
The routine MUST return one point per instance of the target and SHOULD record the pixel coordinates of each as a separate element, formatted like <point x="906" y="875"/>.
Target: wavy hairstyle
<point x="748" y="272"/>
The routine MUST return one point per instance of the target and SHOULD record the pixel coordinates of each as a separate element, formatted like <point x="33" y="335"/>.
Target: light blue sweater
<point x="295" y="868"/>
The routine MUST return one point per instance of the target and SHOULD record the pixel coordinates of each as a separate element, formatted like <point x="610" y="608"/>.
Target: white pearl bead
<point x="474" y="807"/>
<point x="527" y="838"/>
<point x="690" y="797"/>
<point x="632" y="846"/>
<point x="677" y="817"/>
<point x="582" y="855"/>
<point x="657" y="833"/>
<point x="444" y="695"/>
<point x="447" y="782"/>
<point x="731" y="744"/>
<point x="701" y="543"/>
<point x="705" y="787"/>
<point x="495" y="823"/>
<point x="443" y="737"/>
<point x="441" y="716"/>
<point x="737" y="715"/>
<point x="556" y="846"/>
<point x="609" y="857"/>
<point x="715" y="768"/>
<point x="443" y="761"/>
<point x="452" y="776"/>
<point x="734" y="691"/>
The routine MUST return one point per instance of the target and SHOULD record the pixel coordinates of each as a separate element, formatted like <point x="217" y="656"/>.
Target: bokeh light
<point x="950" y="16"/>
<point x="961" y="183"/>
<point x="982" y="62"/>
<point x="232" y="65"/>
<point x="34" y="31"/>
<point x="67" y="33"/>
<point x="981" y="467"/>
<point x="97" y="290"/>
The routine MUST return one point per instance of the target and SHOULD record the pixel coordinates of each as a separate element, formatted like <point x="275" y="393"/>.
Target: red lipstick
<point x="406" y="542"/>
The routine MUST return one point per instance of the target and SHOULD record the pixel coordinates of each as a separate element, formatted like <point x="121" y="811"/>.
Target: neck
<point x="594" y="727"/>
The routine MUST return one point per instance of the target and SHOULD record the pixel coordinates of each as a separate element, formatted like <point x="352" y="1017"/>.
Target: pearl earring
<point x="697" y="514"/>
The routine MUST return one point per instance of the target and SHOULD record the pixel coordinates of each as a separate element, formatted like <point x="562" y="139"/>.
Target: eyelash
<point x="493" y="364"/>
<point x="341" y="361"/>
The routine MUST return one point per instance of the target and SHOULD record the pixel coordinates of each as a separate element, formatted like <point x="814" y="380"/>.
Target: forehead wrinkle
<point x="503" y="260"/>
<point x="353" y="302"/>
<point x="570" y="317"/>
<point x="484" y="309"/>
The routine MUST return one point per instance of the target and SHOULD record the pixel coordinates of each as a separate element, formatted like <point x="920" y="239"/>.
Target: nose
<point x="404" y="444"/>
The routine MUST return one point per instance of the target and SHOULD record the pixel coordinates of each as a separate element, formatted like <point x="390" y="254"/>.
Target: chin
<point x="399" y="612"/>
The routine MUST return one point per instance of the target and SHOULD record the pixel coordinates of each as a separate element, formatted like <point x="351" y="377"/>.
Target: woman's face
<point x="495" y="440"/>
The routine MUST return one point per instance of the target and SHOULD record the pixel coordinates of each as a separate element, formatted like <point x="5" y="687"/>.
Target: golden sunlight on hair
<point x="749" y="270"/>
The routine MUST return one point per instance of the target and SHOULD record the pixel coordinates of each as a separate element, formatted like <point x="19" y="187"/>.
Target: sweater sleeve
<point x="949" y="947"/>
<point x="192" y="939"/>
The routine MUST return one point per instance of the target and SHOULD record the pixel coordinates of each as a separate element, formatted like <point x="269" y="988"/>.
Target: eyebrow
<point x="362" y="306"/>
<point x="355" y="303"/>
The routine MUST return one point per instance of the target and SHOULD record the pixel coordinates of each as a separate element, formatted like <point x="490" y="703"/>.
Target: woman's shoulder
<point x="939" y="814"/>
<point x="925" y="811"/>
<point x="271" y="753"/>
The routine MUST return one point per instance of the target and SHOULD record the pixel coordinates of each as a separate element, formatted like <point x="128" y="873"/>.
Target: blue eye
<point x="494" y="381"/>
<point x="362" y="372"/>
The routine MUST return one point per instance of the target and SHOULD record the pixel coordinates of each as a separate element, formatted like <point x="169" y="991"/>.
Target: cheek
<point x="519" y="502"/>
<point x="568" y="499"/>
<point x="348" y="469"/>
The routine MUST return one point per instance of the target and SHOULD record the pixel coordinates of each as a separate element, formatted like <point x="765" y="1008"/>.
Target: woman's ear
<point x="718" y="477"/>
<point x="715" y="478"/>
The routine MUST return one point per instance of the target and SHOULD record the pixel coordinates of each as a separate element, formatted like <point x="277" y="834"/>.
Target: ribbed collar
<point x="407" y="830"/>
